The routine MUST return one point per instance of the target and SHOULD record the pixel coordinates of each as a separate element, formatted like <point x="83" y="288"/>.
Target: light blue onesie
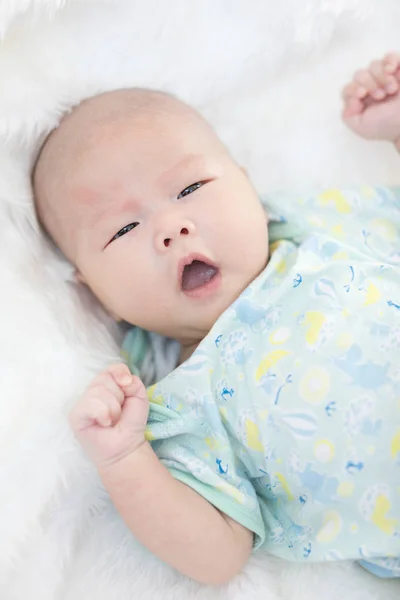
<point x="287" y="416"/>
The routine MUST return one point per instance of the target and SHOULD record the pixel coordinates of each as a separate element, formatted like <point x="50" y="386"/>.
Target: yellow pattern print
<point x="344" y="340"/>
<point x="395" y="446"/>
<point x="212" y="443"/>
<point x="148" y="436"/>
<point x="346" y="489"/>
<point x="284" y="484"/>
<point x="224" y="413"/>
<point x="379" y="516"/>
<point x="270" y="361"/>
<point x="275" y="245"/>
<point x="152" y="397"/>
<point x="337" y="231"/>
<point x="253" y="436"/>
<point x="314" y="321"/>
<point x="373" y="295"/>
<point x="263" y="414"/>
<point x="280" y="336"/>
<point x="367" y="191"/>
<point x="384" y="228"/>
<point x="341" y="255"/>
<point x="330" y="528"/>
<point x="281" y="267"/>
<point x="231" y="491"/>
<point x="324" y="450"/>
<point x="315" y="385"/>
<point x="336" y="197"/>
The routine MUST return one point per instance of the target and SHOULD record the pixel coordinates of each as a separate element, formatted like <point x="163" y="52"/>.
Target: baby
<point x="255" y="440"/>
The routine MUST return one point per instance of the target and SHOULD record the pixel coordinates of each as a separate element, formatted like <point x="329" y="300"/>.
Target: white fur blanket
<point x="267" y="74"/>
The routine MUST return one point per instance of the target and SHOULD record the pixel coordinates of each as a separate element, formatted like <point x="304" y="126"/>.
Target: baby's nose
<point x="168" y="235"/>
<point x="168" y="240"/>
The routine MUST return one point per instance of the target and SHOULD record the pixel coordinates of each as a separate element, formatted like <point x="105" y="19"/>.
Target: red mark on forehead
<point x="99" y="205"/>
<point x="86" y="196"/>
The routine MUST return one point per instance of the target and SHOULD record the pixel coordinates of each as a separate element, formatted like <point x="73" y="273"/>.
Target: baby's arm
<point x="173" y="521"/>
<point x="168" y="517"/>
<point x="372" y="100"/>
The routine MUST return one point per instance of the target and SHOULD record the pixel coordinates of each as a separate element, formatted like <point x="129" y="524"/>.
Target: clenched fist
<point x="372" y="100"/>
<point x="109" y="420"/>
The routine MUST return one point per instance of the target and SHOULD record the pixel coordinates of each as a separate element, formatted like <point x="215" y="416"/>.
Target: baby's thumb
<point x="353" y="108"/>
<point x="135" y="409"/>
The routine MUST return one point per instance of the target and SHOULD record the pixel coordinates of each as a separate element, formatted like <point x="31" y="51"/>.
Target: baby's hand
<point x="110" y="418"/>
<point x="372" y="100"/>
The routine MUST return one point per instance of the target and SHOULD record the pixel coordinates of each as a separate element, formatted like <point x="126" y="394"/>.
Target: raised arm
<point x="169" y="518"/>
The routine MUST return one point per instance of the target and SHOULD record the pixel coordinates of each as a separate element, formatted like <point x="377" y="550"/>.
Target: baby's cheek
<point x="110" y="286"/>
<point x="133" y="297"/>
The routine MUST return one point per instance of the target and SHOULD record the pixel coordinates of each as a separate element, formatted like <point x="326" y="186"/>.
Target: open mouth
<point x="196" y="274"/>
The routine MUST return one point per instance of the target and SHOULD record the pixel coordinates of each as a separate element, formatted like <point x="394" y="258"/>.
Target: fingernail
<point x="126" y="380"/>
<point x="379" y="94"/>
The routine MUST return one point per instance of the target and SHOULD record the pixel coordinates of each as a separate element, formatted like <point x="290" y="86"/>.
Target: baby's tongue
<point x="196" y="274"/>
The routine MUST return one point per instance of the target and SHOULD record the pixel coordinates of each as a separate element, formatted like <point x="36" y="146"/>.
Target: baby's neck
<point x="187" y="351"/>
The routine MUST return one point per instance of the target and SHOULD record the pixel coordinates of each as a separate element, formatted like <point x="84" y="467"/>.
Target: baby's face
<point x="165" y="228"/>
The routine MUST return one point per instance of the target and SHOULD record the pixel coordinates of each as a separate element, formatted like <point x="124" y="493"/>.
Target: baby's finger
<point x="354" y="90"/>
<point x="387" y="83"/>
<point x="353" y="107"/>
<point x="366" y="79"/>
<point x="121" y="374"/>
<point x="391" y="62"/>
<point x="136" y="389"/>
<point x="377" y="69"/>
<point x="392" y="85"/>
<point x="100" y="408"/>
<point x="108" y="382"/>
<point x="111" y="405"/>
<point x="136" y="407"/>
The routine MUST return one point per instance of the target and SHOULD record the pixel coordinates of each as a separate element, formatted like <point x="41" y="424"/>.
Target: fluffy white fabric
<point x="267" y="74"/>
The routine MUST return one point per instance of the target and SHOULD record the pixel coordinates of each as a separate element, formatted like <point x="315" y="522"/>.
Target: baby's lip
<point x="187" y="260"/>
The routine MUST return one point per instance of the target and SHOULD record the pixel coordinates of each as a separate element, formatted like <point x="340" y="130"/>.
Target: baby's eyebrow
<point x="92" y="207"/>
<point x="129" y="206"/>
<point x="192" y="162"/>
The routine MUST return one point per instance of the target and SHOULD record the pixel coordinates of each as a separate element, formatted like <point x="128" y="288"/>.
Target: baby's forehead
<point x="134" y="188"/>
<point x="93" y="131"/>
<point x="110" y="114"/>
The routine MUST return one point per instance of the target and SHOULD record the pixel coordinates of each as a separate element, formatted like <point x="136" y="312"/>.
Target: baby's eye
<point x="190" y="189"/>
<point x="124" y="230"/>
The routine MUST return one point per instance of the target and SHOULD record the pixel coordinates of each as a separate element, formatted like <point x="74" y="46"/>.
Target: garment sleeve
<point x="367" y="218"/>
<point x="206" y="462"/>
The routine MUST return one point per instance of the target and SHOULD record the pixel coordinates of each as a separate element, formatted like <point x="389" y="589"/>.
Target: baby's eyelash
<point x="124" y="230"/>
<point x="190" y="189"/>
